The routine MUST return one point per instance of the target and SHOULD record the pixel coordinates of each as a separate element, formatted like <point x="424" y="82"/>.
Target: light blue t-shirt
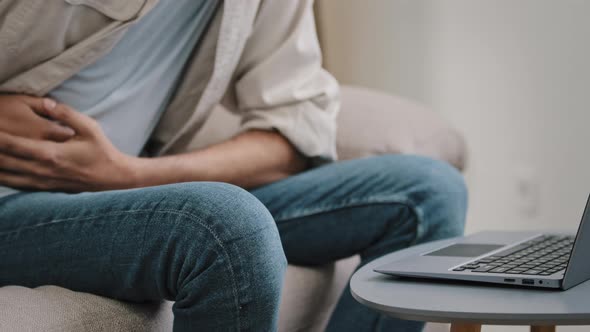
<point x="128" y="89"/>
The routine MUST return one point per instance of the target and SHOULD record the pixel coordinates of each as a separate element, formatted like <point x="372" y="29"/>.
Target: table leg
<point x="468" y="327"/>
<point x="542" y="328"/>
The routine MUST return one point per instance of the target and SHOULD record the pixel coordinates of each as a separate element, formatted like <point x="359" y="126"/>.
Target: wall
<point x="512" y="75"/>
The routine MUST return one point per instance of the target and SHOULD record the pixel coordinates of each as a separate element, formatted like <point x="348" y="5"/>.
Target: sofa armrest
<point x="375" y="123"/>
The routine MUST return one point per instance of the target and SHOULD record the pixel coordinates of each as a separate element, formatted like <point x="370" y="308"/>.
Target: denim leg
<point x="213" y="248"/>
<point x="370" y="207"/>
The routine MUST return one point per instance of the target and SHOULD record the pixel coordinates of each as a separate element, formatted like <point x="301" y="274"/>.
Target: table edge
<point x="484" y="318"/>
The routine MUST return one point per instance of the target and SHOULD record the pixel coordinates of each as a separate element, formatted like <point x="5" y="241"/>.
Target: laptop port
<point x="509" y="280"/>
<point x="528" y="282"/>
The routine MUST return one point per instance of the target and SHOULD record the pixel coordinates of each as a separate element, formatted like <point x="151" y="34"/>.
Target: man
<point x="103" y="192"/>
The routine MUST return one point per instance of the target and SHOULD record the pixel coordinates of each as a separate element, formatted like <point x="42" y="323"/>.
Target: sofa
<point x="370" y="123"/>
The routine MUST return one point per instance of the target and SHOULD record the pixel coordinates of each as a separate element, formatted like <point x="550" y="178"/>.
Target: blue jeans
<point x="219" y="251"/>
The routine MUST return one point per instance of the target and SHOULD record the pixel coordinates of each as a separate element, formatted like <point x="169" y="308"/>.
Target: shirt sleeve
<point x="280" y="83"/>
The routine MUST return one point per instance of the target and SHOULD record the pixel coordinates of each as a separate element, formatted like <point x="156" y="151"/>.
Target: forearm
<point x="249" y="160"/>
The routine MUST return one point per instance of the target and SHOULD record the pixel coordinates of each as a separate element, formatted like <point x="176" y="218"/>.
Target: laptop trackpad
<point x="465" y="250"/>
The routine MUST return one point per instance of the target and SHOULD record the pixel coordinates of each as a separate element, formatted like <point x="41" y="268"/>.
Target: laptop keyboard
<point x="542" y="256"/>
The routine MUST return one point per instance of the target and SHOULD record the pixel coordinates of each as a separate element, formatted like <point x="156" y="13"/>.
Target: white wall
<point x="512" y="75"/>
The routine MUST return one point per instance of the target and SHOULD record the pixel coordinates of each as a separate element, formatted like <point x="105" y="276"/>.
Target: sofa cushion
<point x="310" y="295"/>
<point x="308" y="300"/>
<point x="374" y="123"/>
<point x="56" y="309"/>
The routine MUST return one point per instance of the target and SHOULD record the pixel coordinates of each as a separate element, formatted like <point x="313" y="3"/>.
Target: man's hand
<point x="86" y="162"/>
<point x="19" y="116"/>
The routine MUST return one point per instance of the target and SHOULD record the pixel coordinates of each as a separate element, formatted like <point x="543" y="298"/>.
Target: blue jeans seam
<point x="174" y="212"/>
<point x="344" y="204"/>
<point x="352" y="203"/>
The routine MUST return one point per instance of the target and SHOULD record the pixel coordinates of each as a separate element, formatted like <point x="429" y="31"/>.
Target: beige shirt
<point x="260" y="58"/>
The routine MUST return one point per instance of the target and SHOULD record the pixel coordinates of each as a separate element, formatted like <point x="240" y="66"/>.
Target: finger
<point x="18" y="181"/>
<point x="22" y="166"/>
<point x="25" y="147"/>
<point x="54" y="131"/>
<point x="51" y="129"/>
<point x="82" y="124"/>
<point x="29" y="182"/>
<point x="39" y="104"/>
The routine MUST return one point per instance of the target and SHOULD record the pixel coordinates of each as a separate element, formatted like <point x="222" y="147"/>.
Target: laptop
<point x="529" y="259"/>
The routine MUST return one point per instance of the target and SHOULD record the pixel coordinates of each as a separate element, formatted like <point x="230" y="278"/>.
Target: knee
<point x="249" y="237"/>
<point x="443" y="196"/>
<point x="230" y="212"/>
<point x="216" y="236"/>
<point x="435" y="189"/>
<point x="217" y="221"/>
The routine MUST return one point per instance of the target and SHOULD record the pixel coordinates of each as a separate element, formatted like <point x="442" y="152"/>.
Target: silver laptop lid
<point x="578" y="269"/>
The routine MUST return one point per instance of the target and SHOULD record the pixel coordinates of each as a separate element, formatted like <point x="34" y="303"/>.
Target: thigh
<point x="132" y="244"/>
<point x="352" y="207"/>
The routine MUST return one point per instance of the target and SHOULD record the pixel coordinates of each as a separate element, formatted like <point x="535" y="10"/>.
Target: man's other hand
<point x="88" y="161"/>
<point x="23" y="116"/>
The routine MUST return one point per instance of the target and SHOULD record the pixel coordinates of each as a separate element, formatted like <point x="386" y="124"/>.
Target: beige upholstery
<point x="374" y="123"/>
<point x="56" y="309"/>
<point x="310" y="295"/>
<point x="370" y="123"/>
